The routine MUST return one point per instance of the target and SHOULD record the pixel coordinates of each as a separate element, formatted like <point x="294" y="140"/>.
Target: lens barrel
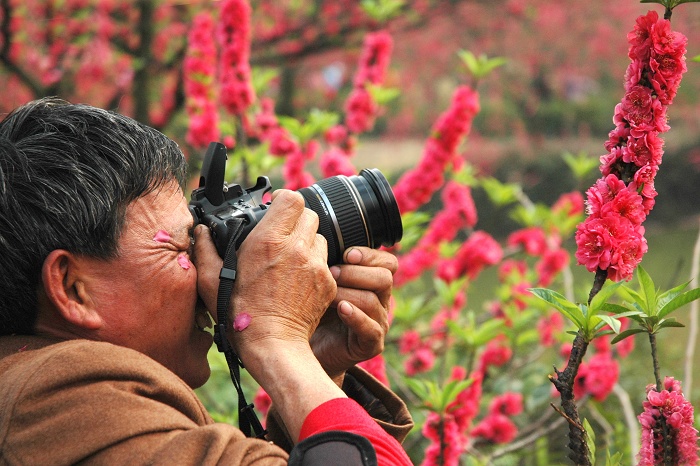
<point x="355" y="211"/>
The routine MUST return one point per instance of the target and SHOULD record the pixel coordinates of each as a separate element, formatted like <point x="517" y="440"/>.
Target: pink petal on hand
<point x="183" y="261"/>
<point x="242" y="321"/>
<point x="162" y="236"/>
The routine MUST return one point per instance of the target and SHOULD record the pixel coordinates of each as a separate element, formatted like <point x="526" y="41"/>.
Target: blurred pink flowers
<point x="233" y="34"/>
<point x="360" y="107"/>
<point x="199" y="74"/>
<point x="416" y="187"/>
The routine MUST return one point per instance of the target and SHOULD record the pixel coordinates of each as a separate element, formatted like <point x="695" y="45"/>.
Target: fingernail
<point x="345" y="308"/>
<point x="335" y="271"/>
<point x="354" y="256"/>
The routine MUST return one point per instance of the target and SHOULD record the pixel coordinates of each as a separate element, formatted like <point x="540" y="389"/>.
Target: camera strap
<point x="247" y="419"/>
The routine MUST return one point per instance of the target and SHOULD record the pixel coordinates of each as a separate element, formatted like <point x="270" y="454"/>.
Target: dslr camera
<point x="353" y="211"/>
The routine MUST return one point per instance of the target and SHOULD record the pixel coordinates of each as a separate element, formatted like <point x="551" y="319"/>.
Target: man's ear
<point x="64" y="286"/>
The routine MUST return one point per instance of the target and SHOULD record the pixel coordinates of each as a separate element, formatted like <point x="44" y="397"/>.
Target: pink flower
<point x="409" y="341"/>
<point x="552" y="262"/>
<point x="336" y="162"/>
<point x="508" y="404"/>
<point x="477" y="252"/>
<point x="459" y="212"/>
<point x="548" y="327"/>
<point x="595" y="243"/>
<point x="532" y="240"/>
<point x="596" y="377"/>
<point x="610" y="243"/>
<point x="376" y="55"/>
<point x="199" y="71"/>
<point x="446" y="442"/>
<point x="603" y="192"/>
<point x="628" y="204"/>
<point x="496" y="428"/>
<point x="416" y="186"/>
<point x="612" y="238"/>
<point x="262" y="401"/>
<point x="412" y="265"/>
<point x="496" y="353"/>
<point x="360" y="107"/>
<point x="512" y="270"/>
<point x="377" y="367"/>
<point x="465" y="407"/>
<point x="458" y="201"/>
<point x="671" y="405"/>
<point x="640" y="36"/>
<point x="233" y="33"/>
<point x="422" y="360"/>
<point x="569" y="203"/>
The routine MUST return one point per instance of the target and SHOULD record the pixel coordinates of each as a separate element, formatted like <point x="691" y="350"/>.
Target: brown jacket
<point x="97" y="403"/>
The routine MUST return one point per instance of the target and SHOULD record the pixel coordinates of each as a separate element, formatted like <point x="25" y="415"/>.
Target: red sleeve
<point x="345" y="414"/>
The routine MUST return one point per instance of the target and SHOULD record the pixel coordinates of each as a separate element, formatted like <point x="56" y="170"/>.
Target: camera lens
<point x="355" y="211"/>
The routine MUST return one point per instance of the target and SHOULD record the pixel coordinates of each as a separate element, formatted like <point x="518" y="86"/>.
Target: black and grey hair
<point x="67" y="174"/>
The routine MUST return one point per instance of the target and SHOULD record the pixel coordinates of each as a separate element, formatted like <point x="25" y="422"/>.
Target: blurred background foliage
<point x="562" y="76"/>
<point x="564" y="64"/>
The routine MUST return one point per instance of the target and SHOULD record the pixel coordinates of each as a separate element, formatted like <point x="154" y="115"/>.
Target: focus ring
<point x="350" y="220"/>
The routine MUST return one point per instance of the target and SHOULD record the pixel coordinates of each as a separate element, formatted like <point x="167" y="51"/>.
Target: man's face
<point x="147" y="296"/>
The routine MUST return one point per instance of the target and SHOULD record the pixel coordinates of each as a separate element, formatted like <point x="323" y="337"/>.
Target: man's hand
<point x="282" y="281"/>
<point x="353" y="330"/>
<point x="284" y="284"/>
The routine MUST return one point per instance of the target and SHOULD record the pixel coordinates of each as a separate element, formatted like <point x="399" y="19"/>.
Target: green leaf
<point x="696" y="58"/>
<point x="580" y="164"/>
<point x="678" y="301"/>
<point x="603" y="295"/>
<point x="487" y="331"/>
<point x="648" y="289"/>
<point x="669" y="323"/>
<point x="382" y="10"/>
<point x="382" y="95"/>
<point x="629" y="294"/>
<point x="627" y="333"/>
<point x="619" y="309"/>
<point x="452" y="389"/>
<point x="590" y="440"/>
<point x="500" y="194"/>
<point x="612" y="322"/>
<point x="480" y="66"/>
<point x="614" y="460"/>
<point x="418" y="387"/>
<point x="566" y="307"/>
<point x="670" y="4"/>
<point x="261" y="78"/>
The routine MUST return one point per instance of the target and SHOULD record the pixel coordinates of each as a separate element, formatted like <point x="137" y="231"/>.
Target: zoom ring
<point x="347" y="212"/>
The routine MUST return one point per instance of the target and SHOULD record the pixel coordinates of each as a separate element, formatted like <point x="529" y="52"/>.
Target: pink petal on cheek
<point x="183" y="261"/>
<point x="162" y="236"/>
<point x="242" y="321"/>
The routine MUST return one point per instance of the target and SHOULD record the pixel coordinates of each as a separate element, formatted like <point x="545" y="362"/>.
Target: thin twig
<point x="630" y="417"/>
<point x="572" y="423"/>
<point x="529" y="439"/>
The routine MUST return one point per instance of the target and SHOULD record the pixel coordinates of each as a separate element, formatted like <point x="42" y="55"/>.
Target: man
<point x="105" y="292"/>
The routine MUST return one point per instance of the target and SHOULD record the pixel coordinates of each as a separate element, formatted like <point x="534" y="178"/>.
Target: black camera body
<point x="353" y="211"/>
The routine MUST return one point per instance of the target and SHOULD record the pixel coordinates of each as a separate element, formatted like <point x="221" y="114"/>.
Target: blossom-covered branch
<point x="612" y="239"/>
